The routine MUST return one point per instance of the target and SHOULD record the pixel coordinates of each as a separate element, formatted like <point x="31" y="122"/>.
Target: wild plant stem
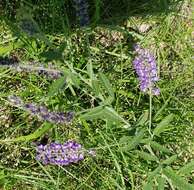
<point x="150" y="112"/>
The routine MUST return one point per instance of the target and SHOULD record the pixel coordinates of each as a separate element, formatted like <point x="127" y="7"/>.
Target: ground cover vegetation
<point x="96" y="94"/>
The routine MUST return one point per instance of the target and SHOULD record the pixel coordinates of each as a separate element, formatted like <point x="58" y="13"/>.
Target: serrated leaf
<point x="170" y="160"/>
<point x="146" y="156"/>
<point x="106" y="84"/>
<point x="161" y="127"/>
<point x="159" y="147"/>
<point x="188" y="168"/>
<point x="56" y="86"/>
<point x="178" y="181"/>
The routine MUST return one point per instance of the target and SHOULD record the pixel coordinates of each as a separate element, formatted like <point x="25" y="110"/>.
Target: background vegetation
<point x="133" y="150"/>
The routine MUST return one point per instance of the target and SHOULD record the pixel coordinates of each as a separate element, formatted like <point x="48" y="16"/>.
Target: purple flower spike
<point x="60" y="154"/>
<point x="50" y="71"/>
<point x="146" y="69"/>
<point x="42" y="112"/>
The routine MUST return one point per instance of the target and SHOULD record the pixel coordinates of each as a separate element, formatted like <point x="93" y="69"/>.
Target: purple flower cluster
<point x="146" y="69"/>
<point x="49" y="71"/>
<point x="42" y="112"/>
<point x="82" y="12"/>
<point x="60" y="154"/>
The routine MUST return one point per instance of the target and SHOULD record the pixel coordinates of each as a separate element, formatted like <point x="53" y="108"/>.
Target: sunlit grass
<point x="138" y="139"/>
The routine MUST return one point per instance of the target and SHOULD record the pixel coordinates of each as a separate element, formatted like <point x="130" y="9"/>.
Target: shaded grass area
<point x="127" y="156"/>
<point x="59" y="14"/>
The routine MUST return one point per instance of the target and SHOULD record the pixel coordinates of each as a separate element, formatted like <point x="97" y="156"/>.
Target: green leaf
<point x="73" y="79"/>
<point x="38" y="133"/>
<point x="112" y="115"/>
<point x="56" y="86"/>
<point x="130" y="142"/>
<point x="148" y="186"/>
<point x="2" y="175"/>
<point x="161" y="127"/>
<point x="2" y="178"/>
<point x="146" y="141"/>
<point x="103" y="112"/>
<point x="161" y="183"/>
<point x="90" y="71"/>
<point x="170" y="160"/>
<point x="94" y="113"/>
<point x="143" y="118"/>
<point x="96" y="87"/>
<point x="108" y="101"/>
<point x="187" y="169"/>
<point x="146" y="156"/>
<point x="106" y="84"/>
<point x="154" y="173"/>
<point x="6" y="49"/>
<point x="178" y="181"/>
<point x="159" y="147"/>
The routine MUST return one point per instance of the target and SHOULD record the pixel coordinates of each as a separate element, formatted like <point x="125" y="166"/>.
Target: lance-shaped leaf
<point x="93" y="113"/>
<point x="178" y="181"/>
<point x="162" y="126"/>
<point x="38" y="133"/>
<point x="107" y="85"/>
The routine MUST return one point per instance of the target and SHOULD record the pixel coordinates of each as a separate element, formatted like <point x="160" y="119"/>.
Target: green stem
<point x="150" y="112"/>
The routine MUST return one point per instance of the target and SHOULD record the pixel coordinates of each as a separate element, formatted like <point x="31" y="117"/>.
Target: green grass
<point x="141" y="142"/>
